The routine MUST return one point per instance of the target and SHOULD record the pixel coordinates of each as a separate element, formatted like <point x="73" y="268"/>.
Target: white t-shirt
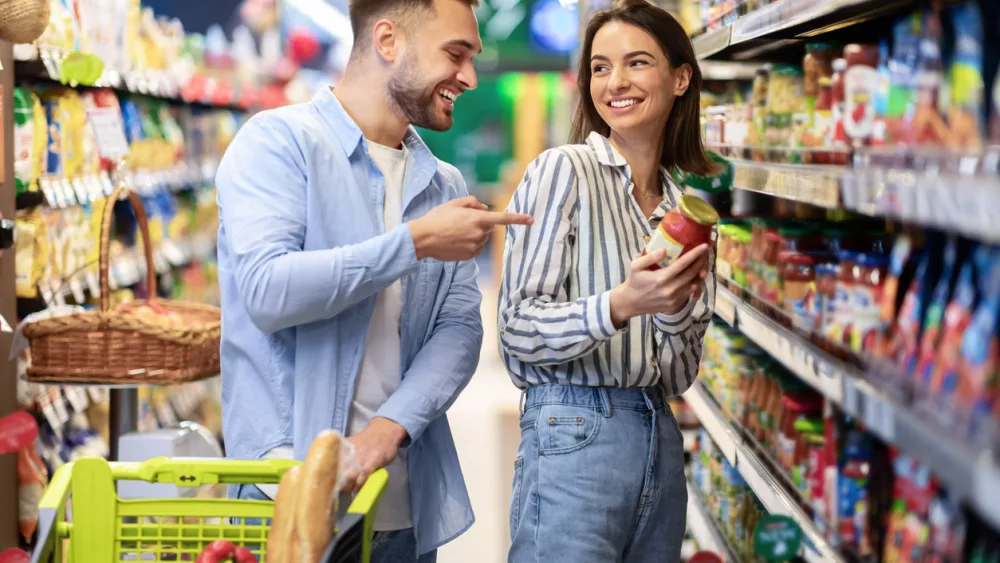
<point x="381" y="363"/>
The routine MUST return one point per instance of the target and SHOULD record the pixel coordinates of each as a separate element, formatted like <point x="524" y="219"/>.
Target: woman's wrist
<point x="621" y="306"/>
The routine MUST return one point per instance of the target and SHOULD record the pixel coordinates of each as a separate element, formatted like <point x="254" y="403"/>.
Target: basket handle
<point x="105" y="251"/>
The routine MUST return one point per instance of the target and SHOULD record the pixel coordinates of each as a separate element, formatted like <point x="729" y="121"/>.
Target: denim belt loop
<point x="649" y="400"/>
<point x="604" y="399"/>
<point x="522" y="401"/>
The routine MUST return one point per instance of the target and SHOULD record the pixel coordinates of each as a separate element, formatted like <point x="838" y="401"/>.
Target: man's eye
<point x="454" y="56"/>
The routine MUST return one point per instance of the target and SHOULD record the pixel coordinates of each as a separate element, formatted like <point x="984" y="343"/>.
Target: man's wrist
<point x="389" y="429"/>
<point x="421" y="238"/>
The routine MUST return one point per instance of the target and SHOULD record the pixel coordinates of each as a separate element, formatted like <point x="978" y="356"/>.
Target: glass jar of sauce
<point x="870" y="271"/>
<point x="683" y="228"/>
<point x="797" y="287"/>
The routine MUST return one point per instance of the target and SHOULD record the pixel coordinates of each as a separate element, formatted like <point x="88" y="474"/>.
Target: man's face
<point x="436" y="65"/>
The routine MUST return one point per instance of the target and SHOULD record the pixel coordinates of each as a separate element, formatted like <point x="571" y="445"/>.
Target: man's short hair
<point x="364" y="13"/>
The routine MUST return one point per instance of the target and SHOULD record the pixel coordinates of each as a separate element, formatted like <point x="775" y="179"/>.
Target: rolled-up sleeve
<point x="537" y="322"/>
<point x="262" y="184"/>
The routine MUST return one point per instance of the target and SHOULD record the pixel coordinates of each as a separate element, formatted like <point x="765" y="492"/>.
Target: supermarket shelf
<point x="704" y="528"/>
<point x="37" y="65"/>
<point x="817" y="185"/>
<point x="762" y="29"/>
<point x="722" y="70"/>
<point x="969" y="472"/>
<point x="758" y="477"/>
<point x="966" y="202"/>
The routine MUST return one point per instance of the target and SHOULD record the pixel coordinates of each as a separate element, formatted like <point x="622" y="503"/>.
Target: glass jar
<point x="870" y="271"/>
<point x="683" y="228"/>
<point x="817" y="64"/>
<point x="839" y="332"/>
<point x="860" y="85"/>
<point x="797" y="287"/>
<point x="769" y="267"/>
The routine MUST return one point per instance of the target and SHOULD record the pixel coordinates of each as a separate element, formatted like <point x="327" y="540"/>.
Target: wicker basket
<point x="23" y="21"/>
<point x="117" y="346"/>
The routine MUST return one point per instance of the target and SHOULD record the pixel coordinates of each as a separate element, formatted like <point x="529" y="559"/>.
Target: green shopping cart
<point x="106" y="528"/>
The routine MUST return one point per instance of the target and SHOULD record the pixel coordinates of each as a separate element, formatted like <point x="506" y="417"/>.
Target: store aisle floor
<point x="484" y="422"/>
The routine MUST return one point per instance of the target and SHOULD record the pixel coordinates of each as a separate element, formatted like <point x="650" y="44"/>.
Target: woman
<point x="596" y="335"/>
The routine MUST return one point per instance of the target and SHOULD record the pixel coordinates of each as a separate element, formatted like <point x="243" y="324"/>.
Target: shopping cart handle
<point x="195" y="472"/>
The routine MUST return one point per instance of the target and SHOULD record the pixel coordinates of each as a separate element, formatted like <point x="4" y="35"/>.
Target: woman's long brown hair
<point x="682" y="147"/>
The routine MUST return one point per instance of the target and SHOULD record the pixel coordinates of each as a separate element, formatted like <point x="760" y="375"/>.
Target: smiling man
<point x="345" y="262"/>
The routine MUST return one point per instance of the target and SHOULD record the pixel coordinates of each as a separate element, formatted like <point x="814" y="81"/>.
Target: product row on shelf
<point x="122" y="45"/>
<point x="905" y="124"/>
<point x="62" y="186"/>
<point x="854" y="497"/>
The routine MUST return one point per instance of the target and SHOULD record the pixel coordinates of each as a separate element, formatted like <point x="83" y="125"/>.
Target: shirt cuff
<point x="597" y="316"/>
<point x="675" y="323"/>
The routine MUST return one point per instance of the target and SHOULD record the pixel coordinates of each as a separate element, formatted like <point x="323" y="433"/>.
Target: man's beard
<point x="414" y="101"/>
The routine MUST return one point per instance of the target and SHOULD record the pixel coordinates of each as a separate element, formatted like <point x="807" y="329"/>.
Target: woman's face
<point x="632" y="84"/>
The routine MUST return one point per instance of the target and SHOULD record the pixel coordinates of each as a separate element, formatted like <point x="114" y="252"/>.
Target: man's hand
<point x="374" y="448"/>
<point x="458" y="230"/>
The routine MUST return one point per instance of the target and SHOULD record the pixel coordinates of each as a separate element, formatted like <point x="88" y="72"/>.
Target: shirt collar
<point x="350" y="134"/>
<point x="606" y="153"/>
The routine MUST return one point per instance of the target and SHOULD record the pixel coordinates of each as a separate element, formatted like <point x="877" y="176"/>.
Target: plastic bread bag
<point x="307" y="505"/>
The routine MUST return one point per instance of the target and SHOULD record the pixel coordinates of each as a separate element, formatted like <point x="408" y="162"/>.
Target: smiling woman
<point x="596" y="336"/>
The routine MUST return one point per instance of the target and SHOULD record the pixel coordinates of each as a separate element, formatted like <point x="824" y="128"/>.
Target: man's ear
<point x="387" y="37"/>
<point x="682" y="76"/>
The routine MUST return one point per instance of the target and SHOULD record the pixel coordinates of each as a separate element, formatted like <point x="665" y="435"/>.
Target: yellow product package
<point x="31" y="253"/>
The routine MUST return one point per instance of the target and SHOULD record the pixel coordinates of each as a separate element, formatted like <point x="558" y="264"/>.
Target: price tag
<point x="76" y="288"/>
<point x="80" y="190"/>
<point x="59" y="403"/>
<point x="93" y="283"/>
<point x="77" y="399"/>
<point x="109" y="132"/>
<point x="107" y="186"/>
<point x="68" y="195"/>
<point x="725" y="307"/>
<point x="49" y="412"/>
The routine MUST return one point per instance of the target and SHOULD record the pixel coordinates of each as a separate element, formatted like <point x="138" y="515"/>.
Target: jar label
<point x="859" y="101"/>
<point x="663" y="241"/>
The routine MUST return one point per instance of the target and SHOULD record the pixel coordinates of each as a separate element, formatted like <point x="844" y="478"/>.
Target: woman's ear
<point x="682" y="79"/>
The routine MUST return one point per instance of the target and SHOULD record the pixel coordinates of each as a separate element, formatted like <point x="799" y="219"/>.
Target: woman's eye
<point x="636" y="63"/>
<point x="599" y="68"/>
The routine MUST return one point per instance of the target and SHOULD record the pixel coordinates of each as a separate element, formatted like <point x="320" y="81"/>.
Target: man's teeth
<point x="622" y="103"/>
<point x="448" y="94"/>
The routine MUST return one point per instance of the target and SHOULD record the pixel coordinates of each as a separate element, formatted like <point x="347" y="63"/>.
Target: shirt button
<point x="654" y="364"/>
<point x="503" y="330"/>
<point x="646" y="238"/>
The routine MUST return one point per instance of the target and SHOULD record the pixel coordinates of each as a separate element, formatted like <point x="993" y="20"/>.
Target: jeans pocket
<point x="563" y="429"/>
<point x="515" y="496"/>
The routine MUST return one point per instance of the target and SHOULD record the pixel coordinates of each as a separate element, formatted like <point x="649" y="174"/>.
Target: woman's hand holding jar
<point x="665" y="290"/>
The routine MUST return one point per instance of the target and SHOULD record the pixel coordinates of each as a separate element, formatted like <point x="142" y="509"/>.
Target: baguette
<point x="316" y="511"/>
<point x="282" y="543"/>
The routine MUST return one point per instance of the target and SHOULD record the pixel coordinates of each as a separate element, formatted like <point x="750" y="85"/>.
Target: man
<point x="345" y="262"/>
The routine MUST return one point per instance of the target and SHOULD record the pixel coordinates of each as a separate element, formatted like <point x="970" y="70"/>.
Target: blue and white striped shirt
<point x="554" y="309"/>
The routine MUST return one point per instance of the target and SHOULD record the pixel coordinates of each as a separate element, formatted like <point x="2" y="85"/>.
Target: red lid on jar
<point x="797" y="258"/>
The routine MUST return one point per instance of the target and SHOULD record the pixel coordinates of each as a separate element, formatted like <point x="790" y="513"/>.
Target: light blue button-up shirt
<point x="303" y="252"/>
